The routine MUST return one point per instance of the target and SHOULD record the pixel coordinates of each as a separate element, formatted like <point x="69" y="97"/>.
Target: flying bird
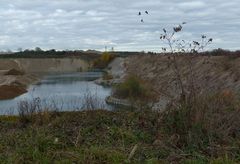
<point x="140" y="13"/>
<point x="184" y="22"/>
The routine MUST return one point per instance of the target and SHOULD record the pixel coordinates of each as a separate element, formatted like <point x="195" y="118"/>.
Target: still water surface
<point x="64" y="92"/>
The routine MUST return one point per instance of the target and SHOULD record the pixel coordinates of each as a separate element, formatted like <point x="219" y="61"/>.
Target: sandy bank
<point x="12" y="86"/>
<point x="17" y="74"/>
<point x="215" y="73"/>
<point x="211" y="74"/>
<point x="45" y="65"/>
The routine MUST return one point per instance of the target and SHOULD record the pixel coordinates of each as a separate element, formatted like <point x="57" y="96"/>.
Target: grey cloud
<point x="192" y="5"/>
<point x="80" y="24"/>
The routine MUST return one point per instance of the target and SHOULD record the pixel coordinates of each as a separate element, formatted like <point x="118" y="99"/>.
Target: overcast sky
<point x="94" y="24"/>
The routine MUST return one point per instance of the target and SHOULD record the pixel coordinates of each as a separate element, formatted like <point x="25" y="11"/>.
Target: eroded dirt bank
<point x="45" y="65"/>
<point x="209" y="74"/>
<point x="17" y="74"/>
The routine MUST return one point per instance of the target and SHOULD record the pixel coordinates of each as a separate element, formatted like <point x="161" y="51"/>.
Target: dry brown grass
<point x="210" y="123"/>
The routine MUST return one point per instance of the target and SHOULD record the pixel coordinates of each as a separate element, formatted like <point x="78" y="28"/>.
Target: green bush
<point x="133" y="88"/>
<point x="107" y="76"/>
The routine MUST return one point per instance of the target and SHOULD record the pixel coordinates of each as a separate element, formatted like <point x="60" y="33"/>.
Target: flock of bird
<point x="140" y="13"/>
<point x="147" y="13"/>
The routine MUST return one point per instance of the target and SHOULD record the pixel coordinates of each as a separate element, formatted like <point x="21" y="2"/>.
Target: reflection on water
<point x="63" y="92"/>
<point x="70" y="78"/>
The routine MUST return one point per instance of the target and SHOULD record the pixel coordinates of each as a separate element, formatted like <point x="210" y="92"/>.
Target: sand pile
<point x="14" y="82"/>
<point x="14" y="72"/>
<point x="11" y="91"/>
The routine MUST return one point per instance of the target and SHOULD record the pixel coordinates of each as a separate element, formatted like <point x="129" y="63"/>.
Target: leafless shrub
<point x="27" y="110"/>
<point x="199" y="120"/>
<point x="33" y="112"/>
<point x="91" y="101"/>
<point x="177" y="47"/>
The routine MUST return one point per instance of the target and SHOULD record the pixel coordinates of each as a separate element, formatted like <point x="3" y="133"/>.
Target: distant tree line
<point x="52" y="53"/>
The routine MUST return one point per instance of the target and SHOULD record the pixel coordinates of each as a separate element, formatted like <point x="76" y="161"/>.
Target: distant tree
<point x="26" y="50"/>
<point x="38" y="49"/>
<point x="103" y="60"/>
<point x="52" y="52"/>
